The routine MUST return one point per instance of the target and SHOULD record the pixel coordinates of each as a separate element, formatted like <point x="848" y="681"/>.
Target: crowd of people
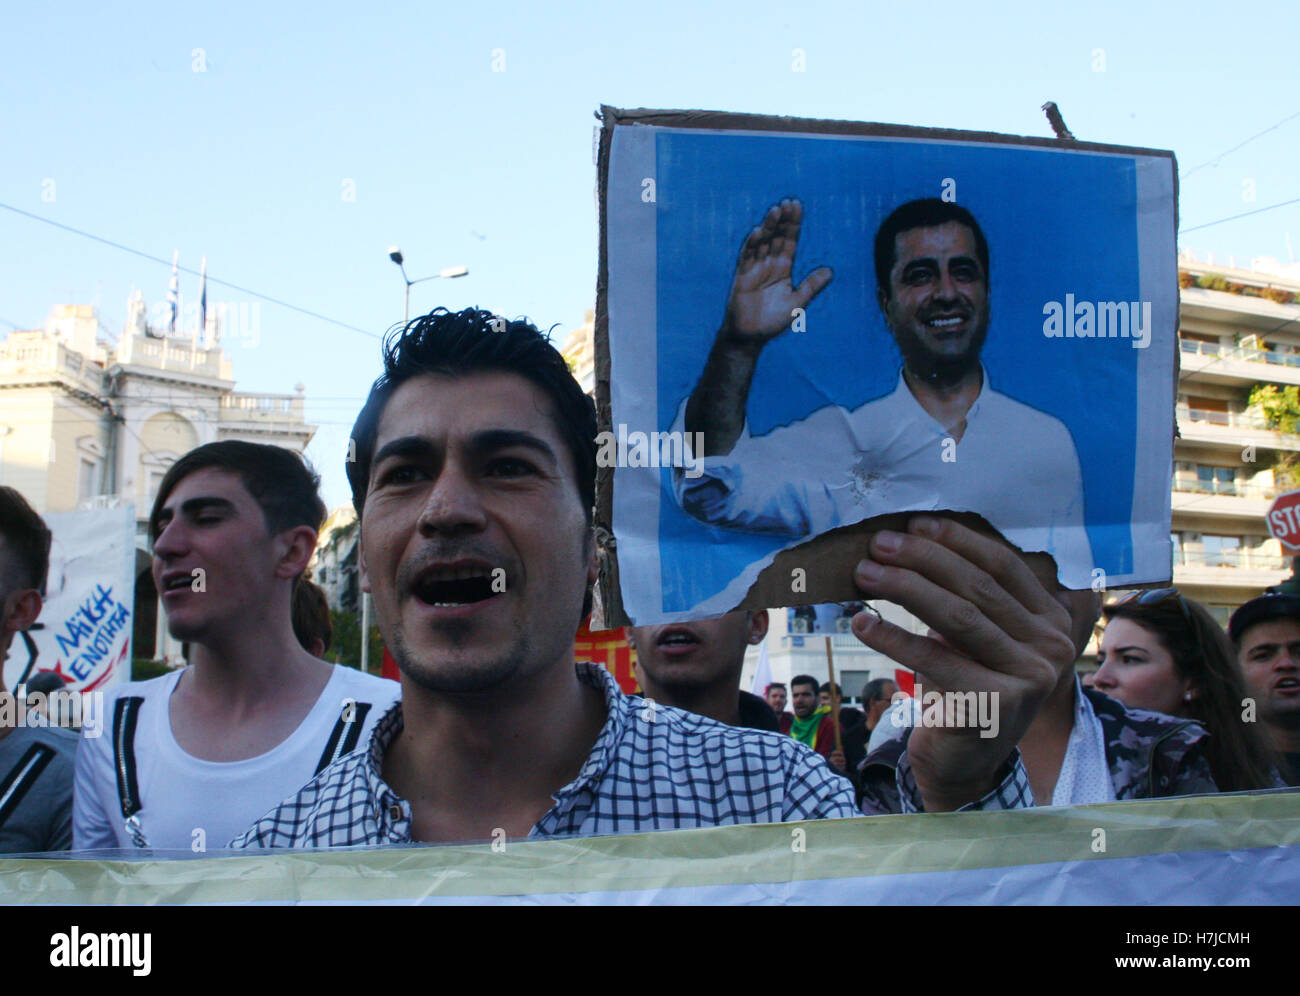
<point x="473" y="480"/>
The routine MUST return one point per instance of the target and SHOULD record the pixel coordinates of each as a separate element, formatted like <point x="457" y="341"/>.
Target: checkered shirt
<point x="652" y="767"/>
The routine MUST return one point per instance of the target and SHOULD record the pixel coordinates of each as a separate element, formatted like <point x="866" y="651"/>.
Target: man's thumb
<point x="814" y="284"/>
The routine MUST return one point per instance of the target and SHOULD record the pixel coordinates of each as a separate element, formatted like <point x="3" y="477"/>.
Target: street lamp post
<point x="447" y="273"/>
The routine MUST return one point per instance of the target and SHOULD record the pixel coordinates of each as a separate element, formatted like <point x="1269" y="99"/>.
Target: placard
<point x="806" y="327"/>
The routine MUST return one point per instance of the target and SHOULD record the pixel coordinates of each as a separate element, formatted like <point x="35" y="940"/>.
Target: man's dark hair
<point x="826" y="687"/>
<point x="27" y="544"/>
<point x="804" y="679"/>
<point x="311" y="616"/>
<point x="774" y="684"/>
<point x="44" y="682"/>
<point x="873" y="690"/>
<point x="280" y="481"/>
<point x="928" y="212"/>
<point x="457" y="343"/>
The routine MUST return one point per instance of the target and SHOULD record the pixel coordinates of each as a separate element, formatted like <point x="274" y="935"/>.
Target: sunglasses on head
<point x="1153" y="595"/>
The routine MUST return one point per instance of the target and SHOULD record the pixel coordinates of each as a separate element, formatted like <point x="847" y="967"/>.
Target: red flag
<point x="905" y="680"/>
<point x="610" y="649"/>
<point x="389" y="668"/>
<point x="607" y="647"/>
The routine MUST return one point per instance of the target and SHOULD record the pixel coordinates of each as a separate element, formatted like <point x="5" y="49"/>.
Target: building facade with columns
<point x="87" y="419"/>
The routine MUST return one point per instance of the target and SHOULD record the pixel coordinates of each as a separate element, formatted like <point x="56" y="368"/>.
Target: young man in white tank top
<point x="190" y="759"/>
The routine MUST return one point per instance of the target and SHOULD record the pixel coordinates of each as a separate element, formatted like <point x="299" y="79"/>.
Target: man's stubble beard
<point x="1287" y="718"/>
<point x="935" y="370"/>
<point x="463" y="677"/>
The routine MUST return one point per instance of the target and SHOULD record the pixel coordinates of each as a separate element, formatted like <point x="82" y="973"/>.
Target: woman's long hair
<point x="1238" y="754"/>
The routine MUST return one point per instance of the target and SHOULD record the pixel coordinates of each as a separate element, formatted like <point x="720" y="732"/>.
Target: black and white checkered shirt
<point x="652" y="767"/>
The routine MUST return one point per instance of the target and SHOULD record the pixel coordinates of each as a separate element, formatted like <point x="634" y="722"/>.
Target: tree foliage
<point x="1281" y="409"/>
<point x="1280" y="405"/>
<point x="345" y="648"/>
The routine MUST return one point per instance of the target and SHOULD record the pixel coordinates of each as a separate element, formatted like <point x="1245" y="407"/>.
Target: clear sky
<point x="249" y="161"/>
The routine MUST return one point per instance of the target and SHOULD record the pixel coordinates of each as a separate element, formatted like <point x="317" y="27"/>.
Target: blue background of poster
<point x="1055" y="224"/>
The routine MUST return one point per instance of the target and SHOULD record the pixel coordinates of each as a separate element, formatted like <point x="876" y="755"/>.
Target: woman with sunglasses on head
<point x="1164" y="652"/>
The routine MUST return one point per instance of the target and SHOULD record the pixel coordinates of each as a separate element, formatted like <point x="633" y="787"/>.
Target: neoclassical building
<point x="87" y="420"/>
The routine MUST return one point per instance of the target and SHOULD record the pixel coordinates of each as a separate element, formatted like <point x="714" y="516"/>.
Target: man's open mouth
<point x="177" y="581"/>
<point x="676" y="638"/>
<point x="448" y="587"/>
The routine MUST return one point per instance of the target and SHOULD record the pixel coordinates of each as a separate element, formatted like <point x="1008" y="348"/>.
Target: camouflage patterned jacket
<point x="1149" y="754"/>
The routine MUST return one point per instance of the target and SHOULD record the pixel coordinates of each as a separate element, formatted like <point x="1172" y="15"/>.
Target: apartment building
<point x="1239" y="328"/>
<point x="579" y="351"/>
<point x="335" y="566"/>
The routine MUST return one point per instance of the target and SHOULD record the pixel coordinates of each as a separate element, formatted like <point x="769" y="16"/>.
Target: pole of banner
<point x="365" y="630"/>
<point x="835" y="698"/>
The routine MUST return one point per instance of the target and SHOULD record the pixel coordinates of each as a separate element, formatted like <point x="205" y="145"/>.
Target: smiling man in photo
<point x="941" y="440"/>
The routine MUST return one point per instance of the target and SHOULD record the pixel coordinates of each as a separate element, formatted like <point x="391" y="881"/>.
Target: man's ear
<point x="20" y="610"/>
<point x="758" y="623"/>
<point x="299" y="543"/>
<point x="882" y="299"/>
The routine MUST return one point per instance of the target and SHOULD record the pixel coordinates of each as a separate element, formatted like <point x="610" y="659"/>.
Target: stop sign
<point x="1284" y="519"/>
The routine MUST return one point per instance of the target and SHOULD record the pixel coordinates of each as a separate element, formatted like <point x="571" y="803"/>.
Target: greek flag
<point x="173" y="293"/>
<point x="202" y="334"/>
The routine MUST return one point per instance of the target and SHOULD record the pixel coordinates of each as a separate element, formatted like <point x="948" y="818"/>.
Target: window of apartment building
<point x="1176" y="548"/>
<point x="1221" y="551"/>
<point x="1218" y="480"/>
<point x="1195" y="342"/>
<point x="1203" y="409"/>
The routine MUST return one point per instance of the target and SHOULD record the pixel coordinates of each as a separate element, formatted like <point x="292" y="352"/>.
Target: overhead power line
<point x="1245" y="214"/>
<point x="1252" y="138"/>
<point x="224" y="283"/>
